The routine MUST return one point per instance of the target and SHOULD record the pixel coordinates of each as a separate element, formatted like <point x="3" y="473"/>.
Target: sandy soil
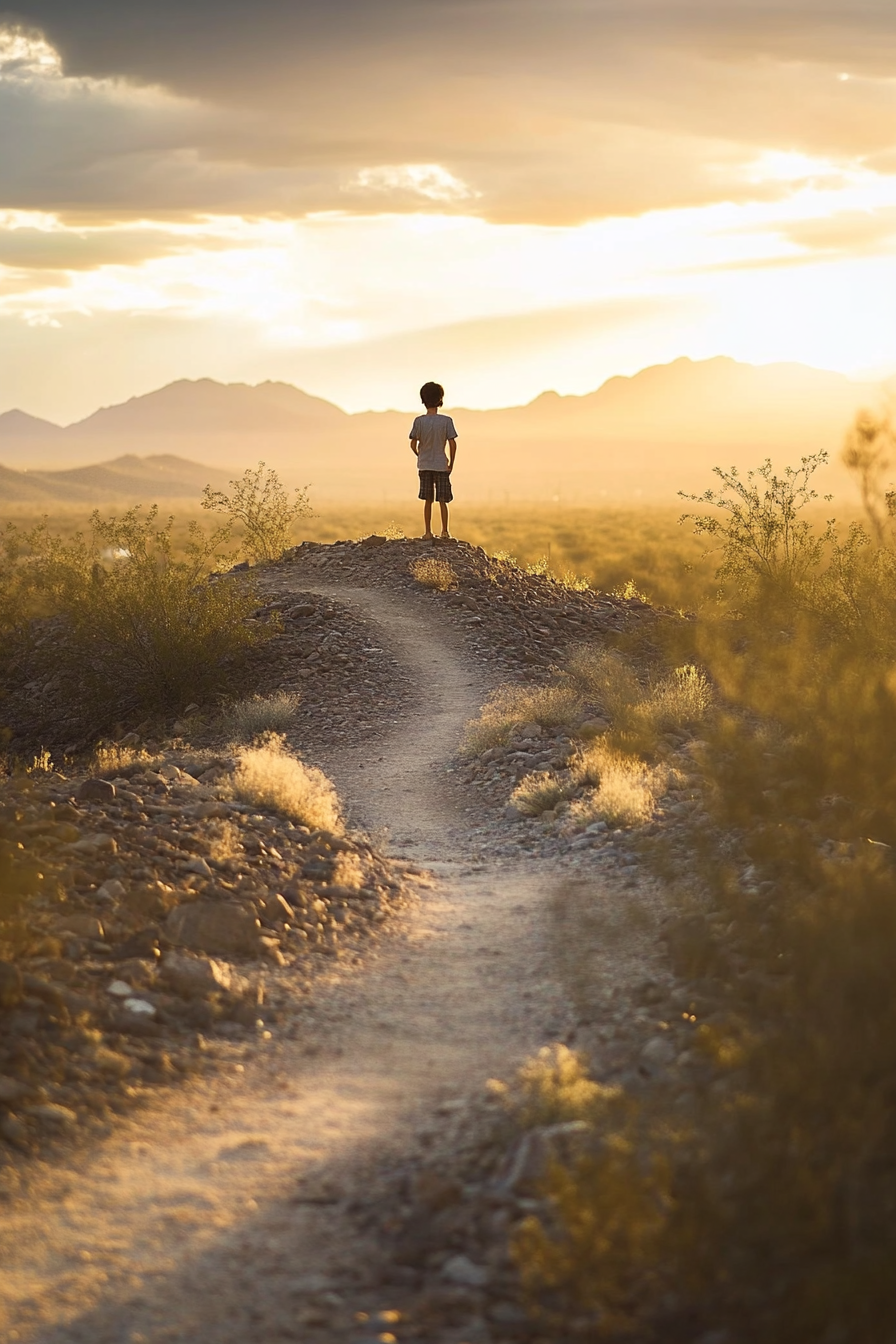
<point x="219" y="1214"/>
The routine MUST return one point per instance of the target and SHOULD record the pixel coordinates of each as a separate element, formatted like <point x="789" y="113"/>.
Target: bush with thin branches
<point x="140" y="628"/>
<point x="263" y="508"/>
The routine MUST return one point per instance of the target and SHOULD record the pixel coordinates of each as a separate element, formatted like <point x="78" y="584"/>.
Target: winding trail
<point x="216" y="1216"/>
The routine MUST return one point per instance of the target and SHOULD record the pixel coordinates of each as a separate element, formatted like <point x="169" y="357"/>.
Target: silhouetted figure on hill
<point x="430" y="433"/>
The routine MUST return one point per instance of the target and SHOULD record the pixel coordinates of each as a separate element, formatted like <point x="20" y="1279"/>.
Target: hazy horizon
<point x="412" y="408"/>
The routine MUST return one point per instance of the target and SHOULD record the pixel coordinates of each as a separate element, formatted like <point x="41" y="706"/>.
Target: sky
<point x="505" y="195"/>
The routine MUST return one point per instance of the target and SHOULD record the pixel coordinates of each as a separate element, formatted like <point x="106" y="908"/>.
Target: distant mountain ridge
<point x="646" y="435"/>
<point x="126" y="480"/>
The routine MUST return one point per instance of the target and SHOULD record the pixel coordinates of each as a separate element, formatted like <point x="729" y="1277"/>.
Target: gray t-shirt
<point x="433" y="432"/>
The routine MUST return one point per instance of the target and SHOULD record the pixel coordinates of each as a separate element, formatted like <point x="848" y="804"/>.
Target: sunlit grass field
<point x="607" y="546"/>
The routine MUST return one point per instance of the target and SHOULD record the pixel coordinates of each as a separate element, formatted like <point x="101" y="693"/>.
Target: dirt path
<point x="219" y="1214"/>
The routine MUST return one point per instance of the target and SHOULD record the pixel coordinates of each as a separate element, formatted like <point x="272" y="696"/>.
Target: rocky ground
<point x="197" y="932"/>
<point x="177" y="918"/>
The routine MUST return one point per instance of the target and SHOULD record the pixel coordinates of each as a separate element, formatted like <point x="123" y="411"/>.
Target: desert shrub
<point x="263" y="508"/>
<point x="138" y="629"/>
<point x="870" y="454"/>
<point x="538" y="793"/>
<point x="268" y="776"/>
<point x="767" y="549"/>
<point x="762" y="1207"/>
<point x="431" y="572"/>
<point x="393" y="532"/>
<point x="510" y="707"/>
<point x="554" y="1087"/>
<point x="256" y="715"/>
<point x="626" y="790"/>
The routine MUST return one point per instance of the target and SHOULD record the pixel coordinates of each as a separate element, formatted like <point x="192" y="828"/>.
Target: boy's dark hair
<point x="432" y="394"/>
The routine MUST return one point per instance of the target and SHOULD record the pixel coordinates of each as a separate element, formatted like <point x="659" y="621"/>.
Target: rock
<point x="139" y="971"/>
<point x="111" y="890"/>
<point x="119" y="989"/>
<point x="461" y="1270"/>
<point x="14" y="1131"/>
<point x="140" y="945"/>
<point x="13" y="1090"/>
<point x="659" y="1050"/>
<point x="10" y="984"/>
<point x="51" y="1115"/>
<point x="373" y="540"/>
<point x="198" y="866"/>
<point x="96" y="790"/>
<point x="95" y="844"/>
<point x="82" y="926"/>
<point x="508" y="1313"/>
<point x="214" y="926"/>
<point x="139" y="1007"/>
<point x="195" y="977"/>
<point x="531" y="730"/>
<point x="278" y="907"/>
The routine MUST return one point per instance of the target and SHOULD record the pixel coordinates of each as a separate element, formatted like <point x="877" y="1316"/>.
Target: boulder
<point x="81" y="926"/>
<point x="214" y="926"/>
<point x="195" y="977"/>
<point x="96" y="790"/>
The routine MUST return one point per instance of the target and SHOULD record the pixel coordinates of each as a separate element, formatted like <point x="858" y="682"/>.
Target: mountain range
<point x="644" y="436"/>
<point x="125" y="480"/>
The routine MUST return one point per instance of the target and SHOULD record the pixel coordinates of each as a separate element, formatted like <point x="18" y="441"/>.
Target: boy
<point x="429" y="434"/>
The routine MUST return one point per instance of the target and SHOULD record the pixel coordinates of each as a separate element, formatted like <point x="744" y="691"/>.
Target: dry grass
<point x="268" y="776"/>
<point x="433" y="573"/>
<point x="538" y="793"/>
<point x="259" y="714"/>
<point x="626" y="789"/>
<point x="604" y="677"/>
<point x="510" y="707"/>
<point x="681" y="700"/>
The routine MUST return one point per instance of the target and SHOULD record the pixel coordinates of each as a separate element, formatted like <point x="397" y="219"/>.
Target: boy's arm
<point x="415" y="447"/>
<point x="452" y="449"/>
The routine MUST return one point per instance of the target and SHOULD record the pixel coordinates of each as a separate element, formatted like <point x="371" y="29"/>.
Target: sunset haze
<point x="509" y="197"/>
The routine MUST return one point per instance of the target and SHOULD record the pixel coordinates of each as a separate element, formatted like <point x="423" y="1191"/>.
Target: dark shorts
<point x="435" y="484"/>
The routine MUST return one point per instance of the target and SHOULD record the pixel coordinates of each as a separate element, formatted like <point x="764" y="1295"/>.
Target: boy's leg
<point x="427" y="518"/>
<point x="443" y="509"/>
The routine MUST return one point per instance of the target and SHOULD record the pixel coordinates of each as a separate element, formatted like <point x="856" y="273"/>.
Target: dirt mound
<point x="168" y="909"/>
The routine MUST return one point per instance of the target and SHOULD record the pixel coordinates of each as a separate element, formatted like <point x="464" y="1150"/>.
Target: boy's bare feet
<point x="444" y="536"/>
<point x="427" y="536"/>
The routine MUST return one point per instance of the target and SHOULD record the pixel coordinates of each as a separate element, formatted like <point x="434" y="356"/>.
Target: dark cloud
<point x="550" y="110"/>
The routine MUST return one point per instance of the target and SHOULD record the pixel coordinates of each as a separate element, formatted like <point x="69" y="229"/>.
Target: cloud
<point x="429" y="180"/>
<point x="512" y="109"/>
